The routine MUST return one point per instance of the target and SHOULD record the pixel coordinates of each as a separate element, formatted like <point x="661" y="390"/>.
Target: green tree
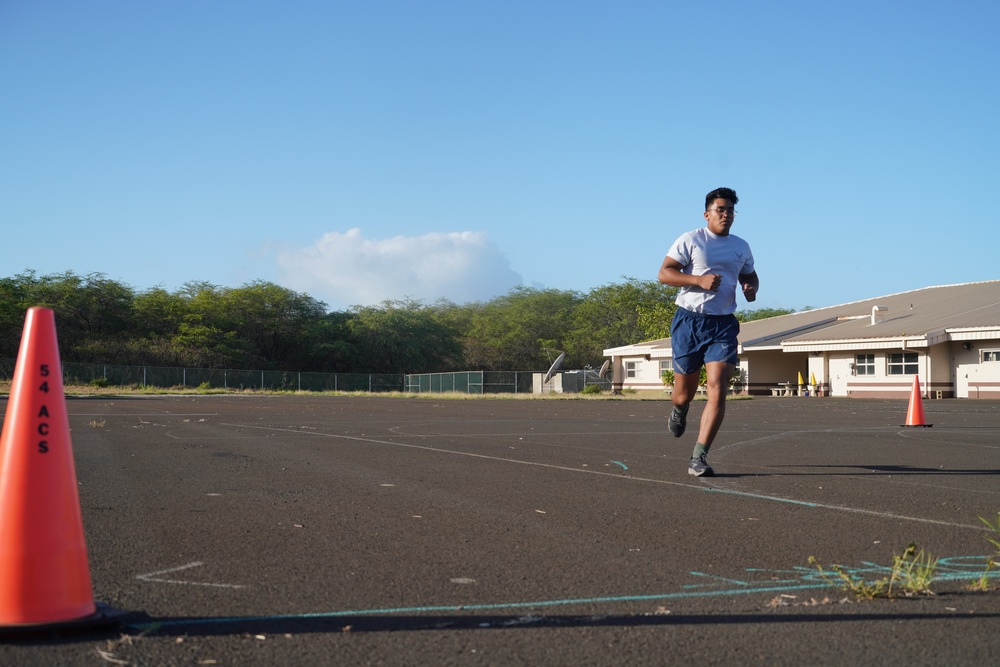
<point x="93" y="314"/>
<point x="457" y="319"/>
<point x="207" y="336"/>
<point x="761" y="313"/>
<point x="620" y="314"/>
<point x="402" y="337"/>
<point x="518" y="331"/>
<point x="15" y="299"/>
<point x="272" y="322"/>
<point x="159" y="313"/>
<point x="332" y="348"/>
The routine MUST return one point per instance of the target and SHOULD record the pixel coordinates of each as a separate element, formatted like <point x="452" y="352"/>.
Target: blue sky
<point x="364" y="151"/>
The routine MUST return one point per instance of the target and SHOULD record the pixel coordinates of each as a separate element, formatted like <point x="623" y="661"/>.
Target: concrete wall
<point x="972" y="378"/>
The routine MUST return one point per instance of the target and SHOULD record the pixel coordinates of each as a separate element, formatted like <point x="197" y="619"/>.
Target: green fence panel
<point x="471" y="382"/>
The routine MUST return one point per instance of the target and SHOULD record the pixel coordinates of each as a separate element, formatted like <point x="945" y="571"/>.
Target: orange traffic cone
<point x="915" y="413"/>
<point x="44" y="573"/>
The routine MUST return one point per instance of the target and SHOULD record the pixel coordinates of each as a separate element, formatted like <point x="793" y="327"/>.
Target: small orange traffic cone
<point x="915" y="413"/>
<point x="44" y="573"/>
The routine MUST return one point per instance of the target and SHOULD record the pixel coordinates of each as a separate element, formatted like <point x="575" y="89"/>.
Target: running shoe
<point x="699" y="467"/>
<point x="677" y="423"/>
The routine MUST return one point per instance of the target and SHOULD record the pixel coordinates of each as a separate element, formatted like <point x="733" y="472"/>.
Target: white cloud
<point x="345" y="269"/>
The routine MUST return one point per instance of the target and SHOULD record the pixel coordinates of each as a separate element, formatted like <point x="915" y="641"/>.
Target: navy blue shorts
<point x="698" y="339"/>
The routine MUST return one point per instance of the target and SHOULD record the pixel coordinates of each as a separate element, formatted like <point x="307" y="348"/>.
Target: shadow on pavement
<point x="393" y="623"/>
<point x="890" y="470"/>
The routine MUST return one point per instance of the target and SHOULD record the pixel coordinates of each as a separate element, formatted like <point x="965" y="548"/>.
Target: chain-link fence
<point x="218" y="378"/>
<point x="471" y="382"/>
<point x="467" y="382"/>
<point x="592" y="377"/>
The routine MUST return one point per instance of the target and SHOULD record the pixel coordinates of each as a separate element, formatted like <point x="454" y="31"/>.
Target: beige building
<point x="947" y="336"/>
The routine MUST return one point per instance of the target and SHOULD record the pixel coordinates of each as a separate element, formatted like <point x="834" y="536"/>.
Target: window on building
<point x="666" y="365"/>
<point x="864" y="364"/>
<point x="631" y="369"/>
<point x="902" y="363"/>
<point x="991" y="355"/>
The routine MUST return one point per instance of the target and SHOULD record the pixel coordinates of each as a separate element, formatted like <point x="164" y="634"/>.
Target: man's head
<point x="720" y="210"/>
<point x="721" y="193"/>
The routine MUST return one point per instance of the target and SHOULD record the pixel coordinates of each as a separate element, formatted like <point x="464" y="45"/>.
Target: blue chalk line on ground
<point x="955" y="568"/>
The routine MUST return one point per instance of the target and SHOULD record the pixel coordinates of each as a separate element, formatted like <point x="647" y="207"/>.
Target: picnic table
<point x="786" y="389"/>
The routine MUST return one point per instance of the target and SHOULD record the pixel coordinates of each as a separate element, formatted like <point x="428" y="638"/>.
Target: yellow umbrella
<point x="800" y="378"/>
<point x="812" y="378"/>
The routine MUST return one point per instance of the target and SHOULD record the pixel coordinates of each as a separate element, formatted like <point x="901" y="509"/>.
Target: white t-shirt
<point x="700" y="252"/>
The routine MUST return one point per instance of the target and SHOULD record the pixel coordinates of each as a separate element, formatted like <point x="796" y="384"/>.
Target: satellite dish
<point x="554" y="367"/>
<point x="604" y="368"/>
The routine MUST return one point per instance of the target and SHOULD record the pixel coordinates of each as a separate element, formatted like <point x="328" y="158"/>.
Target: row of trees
<point x="261" y="325"/>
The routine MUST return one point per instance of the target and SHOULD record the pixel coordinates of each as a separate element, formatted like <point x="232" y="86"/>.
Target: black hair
<point x="721" y="193"/>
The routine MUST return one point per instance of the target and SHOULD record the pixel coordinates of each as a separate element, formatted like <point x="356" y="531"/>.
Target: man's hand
<point x="710" y="281"/>
<point x="750" y="292"/>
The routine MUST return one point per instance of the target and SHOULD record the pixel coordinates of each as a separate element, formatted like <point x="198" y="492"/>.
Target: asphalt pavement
<point x="344" y="530"/>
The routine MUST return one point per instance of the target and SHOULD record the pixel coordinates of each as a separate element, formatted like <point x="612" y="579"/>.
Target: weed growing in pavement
<point x="912" y="573"/>
<point x="862" y="589"/>
<point x="983" y="582"/>
<point x="993" y="539"/>
<point x="913" y="570"/>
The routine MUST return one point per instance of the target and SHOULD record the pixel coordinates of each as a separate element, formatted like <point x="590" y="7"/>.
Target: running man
<point x="708" y="265"/>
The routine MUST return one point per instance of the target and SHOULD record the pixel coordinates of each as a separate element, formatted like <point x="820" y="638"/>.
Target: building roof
<point x="918" y="318"/>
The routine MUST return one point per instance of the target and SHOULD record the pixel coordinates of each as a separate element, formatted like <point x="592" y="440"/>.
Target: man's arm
<point x="750" y="283"/>
<point x="670" y="274"/>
